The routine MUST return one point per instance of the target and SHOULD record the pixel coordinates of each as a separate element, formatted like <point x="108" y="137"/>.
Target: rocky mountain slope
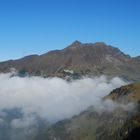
<point x="126" y="94"/>
<point x="78" y="59"/>
<point x="118" y="124"/>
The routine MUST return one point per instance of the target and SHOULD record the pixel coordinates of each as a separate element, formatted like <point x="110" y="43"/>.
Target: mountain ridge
<point x="83" y="58"/>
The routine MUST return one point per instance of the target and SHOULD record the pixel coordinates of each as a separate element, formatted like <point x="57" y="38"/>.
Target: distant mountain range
<point x="78" y="59"/>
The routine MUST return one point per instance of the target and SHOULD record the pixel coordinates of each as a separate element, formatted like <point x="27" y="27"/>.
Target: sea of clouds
<point x="54" y="99"/>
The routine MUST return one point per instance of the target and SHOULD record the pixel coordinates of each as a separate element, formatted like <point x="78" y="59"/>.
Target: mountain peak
<point x="100" y="44"/>
<point x="83" y="58"/>
<point x="75" y="44"/>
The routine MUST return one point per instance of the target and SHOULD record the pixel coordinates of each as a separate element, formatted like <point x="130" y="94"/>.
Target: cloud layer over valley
<point x="54" y="98"/>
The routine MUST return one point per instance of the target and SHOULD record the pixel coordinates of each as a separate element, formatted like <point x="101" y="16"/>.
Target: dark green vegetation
<point x="91" y="124"/>
<point x="82" y="59"/>
<point x="134" y="135"/>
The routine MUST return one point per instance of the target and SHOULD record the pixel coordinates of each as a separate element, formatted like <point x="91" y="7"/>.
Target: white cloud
<point x="24" y="122"/>
<point x="53" y="98"/>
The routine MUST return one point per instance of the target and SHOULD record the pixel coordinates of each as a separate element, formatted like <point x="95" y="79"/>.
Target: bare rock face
<point x="82" y="58"/>
<point x="126" y="94"/>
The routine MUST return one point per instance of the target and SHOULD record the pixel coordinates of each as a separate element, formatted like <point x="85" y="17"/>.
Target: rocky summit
<point x="78" y="59"/>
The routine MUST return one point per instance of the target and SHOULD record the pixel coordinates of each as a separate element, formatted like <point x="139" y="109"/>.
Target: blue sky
<point x="37" y="26"/>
